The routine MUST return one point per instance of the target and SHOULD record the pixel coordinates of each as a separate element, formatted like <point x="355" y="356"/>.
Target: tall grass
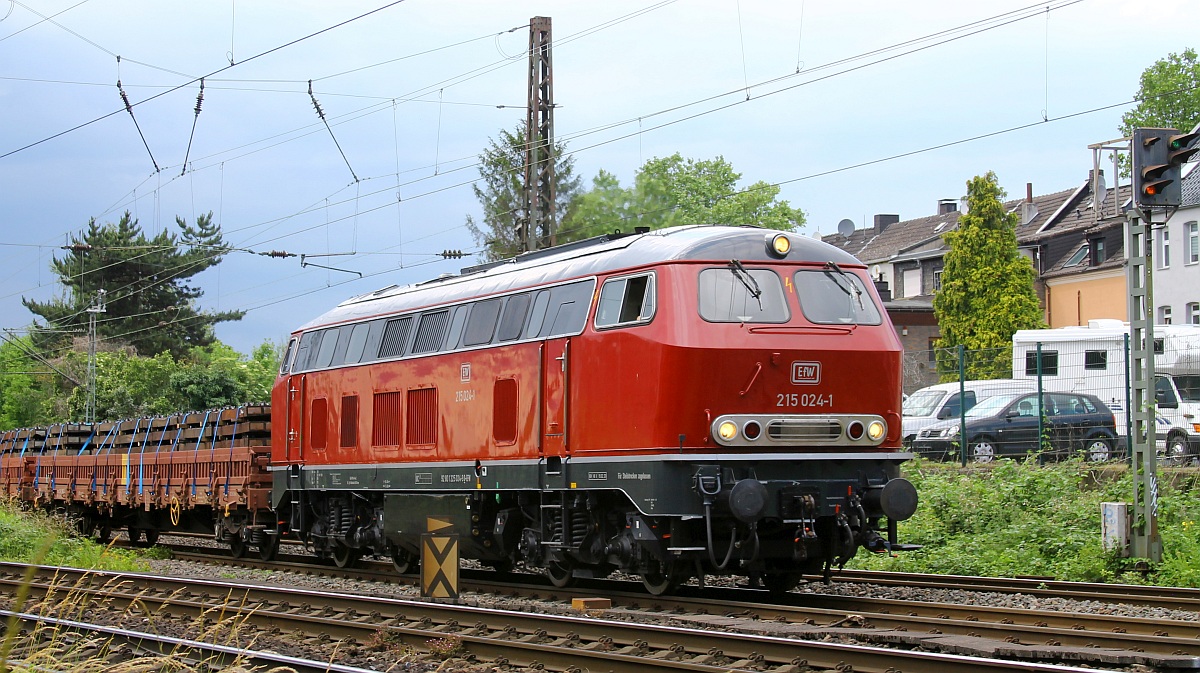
<point x="1019" y="518"/>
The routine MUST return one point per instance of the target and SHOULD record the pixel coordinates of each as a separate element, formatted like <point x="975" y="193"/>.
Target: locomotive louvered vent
<point x="395" y="335"/>
<point x="350" y="421"/>
<point x="431" y="331"/>
<point x="385" y="423"/>
<point x="422" y="417"/>
<point x="803" y="430"/>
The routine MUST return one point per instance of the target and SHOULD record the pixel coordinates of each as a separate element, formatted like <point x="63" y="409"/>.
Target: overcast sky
<point x="797" y="93"/>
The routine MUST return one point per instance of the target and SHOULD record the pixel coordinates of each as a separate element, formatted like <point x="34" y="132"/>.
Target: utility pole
<point x="95" y="309"/>
<point x="537" y="231"/>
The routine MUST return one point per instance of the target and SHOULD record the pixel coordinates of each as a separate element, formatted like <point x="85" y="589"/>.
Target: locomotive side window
<point x="568" y="309"/>
<point x="626" y="301"/>
<point x="734" y="293"/>
<point x="541" y="302"/>
<point x="374" y="339"/>
<point x="357" y="342"/>
<point x="831" y="296"/>
<point x="481" y="324"/>
<point x="515" y="310"/>
<point x="431" y="331"/>
<point x="329" y="340"/>
<point x="305" y="349"/>
<point x="395" y="336"/>
<point x="456" y="326"/>
<point x="286" y="365"/>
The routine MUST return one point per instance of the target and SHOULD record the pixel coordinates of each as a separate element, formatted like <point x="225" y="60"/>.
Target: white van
<point x="946" y="400"/>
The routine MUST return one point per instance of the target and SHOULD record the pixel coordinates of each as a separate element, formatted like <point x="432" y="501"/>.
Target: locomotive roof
<point x="582" y="259"/>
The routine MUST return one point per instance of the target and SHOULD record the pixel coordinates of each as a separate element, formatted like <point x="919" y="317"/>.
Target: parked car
<point x="945" y="400"/>
<point x="1007" y="425"/>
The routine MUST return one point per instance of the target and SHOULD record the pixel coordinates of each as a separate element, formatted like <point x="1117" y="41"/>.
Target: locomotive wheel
<point x="268" y="549"/>
<point x="403" y="562"/>
<point x="665" y="579"/>
<point x="983" y="451"/>
<point x="560" y="574"/>
<point x="780" y="583"/>
<point x="344" y="556"/>
<point x="151" y="536"/>
<point x="237" y="547"/>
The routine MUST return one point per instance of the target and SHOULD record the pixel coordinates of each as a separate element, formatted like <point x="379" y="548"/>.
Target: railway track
<point x="503" y="638"/>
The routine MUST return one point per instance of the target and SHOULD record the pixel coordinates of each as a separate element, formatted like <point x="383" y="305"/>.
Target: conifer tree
<point x="987" y="288"/>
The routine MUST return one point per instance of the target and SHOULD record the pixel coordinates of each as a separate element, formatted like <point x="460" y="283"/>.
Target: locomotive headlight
<point x="779" y="245"/>
<point x="727" y="430"/>
<point x="876" y="430"/>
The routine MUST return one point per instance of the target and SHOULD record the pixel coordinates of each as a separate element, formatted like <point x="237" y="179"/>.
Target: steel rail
<point x="533" y="638"/>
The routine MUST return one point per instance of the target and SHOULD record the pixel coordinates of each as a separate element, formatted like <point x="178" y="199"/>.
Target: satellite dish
<point x="1101" y="188"/>
<point x="876" y="273"/>
<point x="846" y="227"/>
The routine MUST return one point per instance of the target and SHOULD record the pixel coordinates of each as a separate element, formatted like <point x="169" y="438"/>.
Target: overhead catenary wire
<point x="199" y="102"/>
<point x="321" y="114"/>
<point x="129" y="109"/>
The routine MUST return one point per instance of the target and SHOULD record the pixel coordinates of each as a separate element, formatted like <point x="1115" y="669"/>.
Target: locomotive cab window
<point x="734" y="293"/>
<point x="626" y="301"/>
<point x="831" y="296"/>
<point x="286" y="365"/>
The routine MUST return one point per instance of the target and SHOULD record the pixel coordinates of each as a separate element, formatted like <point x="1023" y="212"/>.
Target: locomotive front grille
<point x="804" y="430"/>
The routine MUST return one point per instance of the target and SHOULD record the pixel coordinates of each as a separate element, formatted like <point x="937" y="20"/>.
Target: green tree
<point x="150" y="305"/>
<point x="670" y="191"/>
<point x="28" y="392"/>
<point x="502" y="169"/>
<point x="987" y="286"/>
<point x="1168" y="95"/>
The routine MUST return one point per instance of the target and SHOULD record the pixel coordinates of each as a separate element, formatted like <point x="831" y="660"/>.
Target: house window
<point x="937" y="280"/>
<point x="1193" y="243"/>
<point x="912" y="282"/>
<point x="1096" y="256"/>
<point x="1077" y="258"/>
<point x="1193" y="313"/>
<point x="1164" y="248"/>
<point x="1164" y="315"/>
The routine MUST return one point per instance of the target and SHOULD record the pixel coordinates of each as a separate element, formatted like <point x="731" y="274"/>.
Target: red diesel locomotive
<point x="684" y="402"/>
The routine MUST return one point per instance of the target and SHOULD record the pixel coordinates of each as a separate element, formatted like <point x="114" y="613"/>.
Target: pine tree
<point x="987" y="287"/>
<point x="149" y="304"/>
<point x="502" y="169"/>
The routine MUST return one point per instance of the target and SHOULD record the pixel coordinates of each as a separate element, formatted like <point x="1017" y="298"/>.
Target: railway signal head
<point x="1158" y="158"/>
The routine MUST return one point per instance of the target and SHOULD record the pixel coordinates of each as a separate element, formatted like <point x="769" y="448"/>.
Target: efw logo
<point x="806" y="373"/>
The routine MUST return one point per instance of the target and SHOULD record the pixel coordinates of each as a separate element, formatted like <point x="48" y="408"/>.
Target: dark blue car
<point x="1007" y="425"/>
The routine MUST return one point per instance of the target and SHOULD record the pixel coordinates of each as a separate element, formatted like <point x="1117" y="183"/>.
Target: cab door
<point x="294" y="431"/>
<point x="554" y="446"/>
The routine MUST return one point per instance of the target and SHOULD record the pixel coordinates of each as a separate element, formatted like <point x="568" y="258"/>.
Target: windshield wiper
<point x="747" y="280"/>
<point x="849" y="287"/>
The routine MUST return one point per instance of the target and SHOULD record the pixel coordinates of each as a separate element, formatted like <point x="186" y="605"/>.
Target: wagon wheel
<point x="135" y="535"/>
<point x="104" y="530"/>
<point x="345" y="556"/>
<point x="560" y="574"/>
<point x="237" y="546"/>
<point x="151" y="537"/>
<point x="86" y="525"/>
<point x="403" y="562"/>
<point x="175" y="510"/>
<point x="268" y="549"/>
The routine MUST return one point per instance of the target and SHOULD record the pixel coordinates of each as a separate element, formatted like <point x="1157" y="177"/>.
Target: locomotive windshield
<point x="835" y="297"/>
<point x="734" y="293"/>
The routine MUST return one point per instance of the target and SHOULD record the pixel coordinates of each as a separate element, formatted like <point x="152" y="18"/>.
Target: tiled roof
<point x="922" y="237"/>
<point x="1191" y="187"/>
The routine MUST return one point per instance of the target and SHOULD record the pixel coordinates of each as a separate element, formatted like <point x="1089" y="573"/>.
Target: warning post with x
<point x="439" y="559"/>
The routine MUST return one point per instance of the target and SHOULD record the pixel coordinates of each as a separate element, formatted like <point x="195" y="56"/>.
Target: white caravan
<point x="1092" y="360"/>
